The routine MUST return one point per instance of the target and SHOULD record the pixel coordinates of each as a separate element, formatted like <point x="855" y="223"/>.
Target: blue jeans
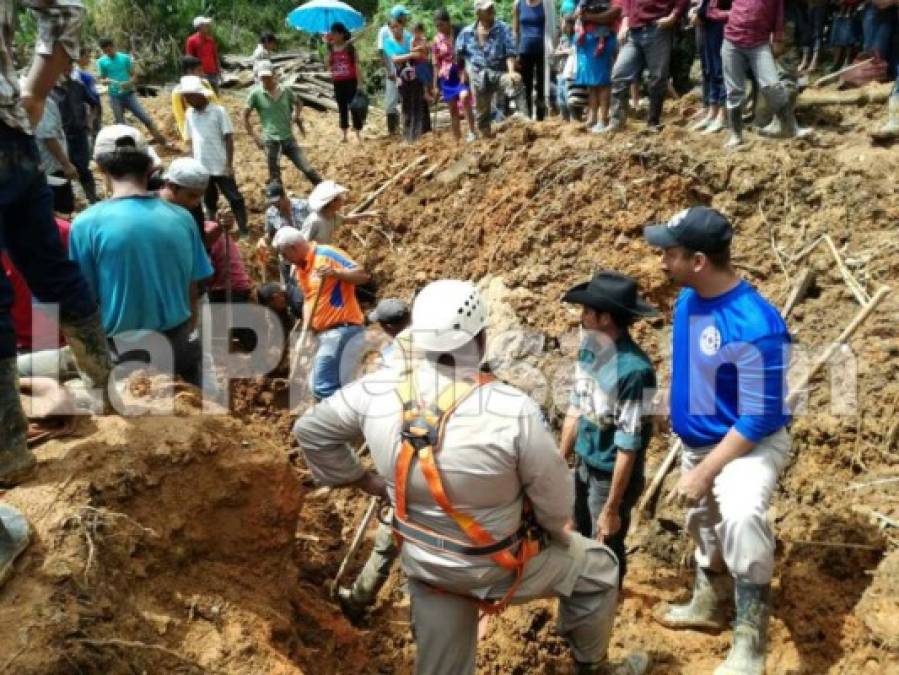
<point x="28" y="233"/>
<point x="713" y="91"/>
<point x="130" y="102"/>
<point x="591" y="491"/>
<point x="335" y="360"/>
<point x="562" y="97"/>
<point x="646" y="47"/>
<point x="879" y="27"/>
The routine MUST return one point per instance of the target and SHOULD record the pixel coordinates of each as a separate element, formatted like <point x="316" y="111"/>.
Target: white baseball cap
<point x="118" y="136"/>
<point x="324" y="193"/>
<point x="201" y="21"/>
<point x="264" y="69"/>
<point x="192" y="84"/>
<point x="481" y="5"/>
<point x="188" y="173"/>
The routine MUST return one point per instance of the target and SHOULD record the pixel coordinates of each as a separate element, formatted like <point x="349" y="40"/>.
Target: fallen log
<point x="317" y="102"/>
<point x="872" y="93"/>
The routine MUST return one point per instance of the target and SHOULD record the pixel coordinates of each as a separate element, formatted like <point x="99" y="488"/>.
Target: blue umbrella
<point x="317" y="16"/>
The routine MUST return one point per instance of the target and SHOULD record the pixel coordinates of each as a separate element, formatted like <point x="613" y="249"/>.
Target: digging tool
<point x="307" y="329"/>
<point x="374" y="504"/>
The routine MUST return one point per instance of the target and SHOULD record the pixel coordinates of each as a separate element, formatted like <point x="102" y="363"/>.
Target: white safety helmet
<point x="447" y="315"/>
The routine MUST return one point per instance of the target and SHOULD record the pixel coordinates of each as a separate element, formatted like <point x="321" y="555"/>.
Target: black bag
<point x="359" y="104"/>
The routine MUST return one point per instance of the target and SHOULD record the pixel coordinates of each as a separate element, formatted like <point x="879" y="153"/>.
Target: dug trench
<point x="194" y="543"/>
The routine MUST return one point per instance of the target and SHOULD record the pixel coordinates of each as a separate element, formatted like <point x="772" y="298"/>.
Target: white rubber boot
<point x="750" y="645"/>
<point x="705" y="610"/>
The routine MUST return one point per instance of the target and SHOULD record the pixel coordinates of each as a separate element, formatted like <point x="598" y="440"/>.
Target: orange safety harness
<point x="424" y="427"/>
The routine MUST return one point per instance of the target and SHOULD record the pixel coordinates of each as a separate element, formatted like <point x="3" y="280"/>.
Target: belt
<point x="333" y="326"/>
<point x="431" y="540"/>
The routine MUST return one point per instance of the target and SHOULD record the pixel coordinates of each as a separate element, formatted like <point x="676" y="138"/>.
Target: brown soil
<point x="200" y="544"/>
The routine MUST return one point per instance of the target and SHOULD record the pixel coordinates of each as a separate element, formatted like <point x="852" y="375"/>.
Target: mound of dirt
<point x="165" y="544"/>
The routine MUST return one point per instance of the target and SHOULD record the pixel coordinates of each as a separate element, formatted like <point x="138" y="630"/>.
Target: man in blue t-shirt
<point x="141" y="255"/>
<point x="728" y="406"/>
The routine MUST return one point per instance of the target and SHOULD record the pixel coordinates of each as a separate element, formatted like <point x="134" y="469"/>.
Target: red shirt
<point x="240" y="280"/>
<point x="751" y="23"/>
<point x="640" y="13"/>
<point x="342" y="65"/>
<point x="204" y="48"/>
<point x="34" y="329"/>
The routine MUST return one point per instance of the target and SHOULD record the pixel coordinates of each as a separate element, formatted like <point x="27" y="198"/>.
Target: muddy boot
<point x="15" y="536"/>
<point x="637" y="663"/>
<point x="17" y="462"/>
<point x="747" y="654"/>
<point x="735" y="128"/>
<point x="654" y="117"/>
<point x="393" y="124"/>
<point x="90" y="350"/>
<point x="890" y="130"/>
<point x="356" y="600"/>
<point x="705" y="609"/>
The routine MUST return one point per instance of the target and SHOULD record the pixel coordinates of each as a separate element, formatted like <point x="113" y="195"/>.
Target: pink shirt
<point x="443" y="55"/>
<point x="240" y="280"/>
<point x="751" y="23"/>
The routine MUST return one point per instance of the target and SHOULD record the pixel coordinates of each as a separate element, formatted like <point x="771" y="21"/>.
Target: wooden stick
<point x="879" y="481"/>
<point x="367" y="201"/>
<point x="800" y="289"/>
<point x="850" y="280"/>
<point x="847" y="333"/>
<point x="307" y="329"/>
<point x="664" y="468"/>
<point x="373" y="504"/>
<point x="833" y="77"/>
<point x="834" y="544"/>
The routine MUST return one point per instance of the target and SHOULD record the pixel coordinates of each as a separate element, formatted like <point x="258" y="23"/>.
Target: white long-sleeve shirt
<point x="497" y="448"/>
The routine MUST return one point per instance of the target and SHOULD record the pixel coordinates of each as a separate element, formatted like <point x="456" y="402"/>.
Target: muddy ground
<point x="200" y="544"/>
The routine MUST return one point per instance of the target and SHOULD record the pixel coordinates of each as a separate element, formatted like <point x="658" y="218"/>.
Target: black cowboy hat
<point x="610" y="292"/>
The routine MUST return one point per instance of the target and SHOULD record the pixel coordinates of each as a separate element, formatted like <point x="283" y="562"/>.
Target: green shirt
<point x="118" y="69"/>
<point x="611" y="390"/>
<point x="275" y="114"/>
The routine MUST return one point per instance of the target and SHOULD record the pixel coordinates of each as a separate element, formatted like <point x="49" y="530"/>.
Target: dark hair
<point x="440" y="14"/>
<point x="105" y="42"/>
<point x="189" y="63"/>
<point x="419" y="26"/>
<point x="718" y="259"/>
<point x="267" y="37"/>
<point x="266" y="292"/>
<point x="125" y="163"/>
<point x="622" y="319"/>
<point x="340" y="29"/>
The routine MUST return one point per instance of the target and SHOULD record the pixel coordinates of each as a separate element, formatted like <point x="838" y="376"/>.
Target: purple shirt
<point x="751" y="23"/>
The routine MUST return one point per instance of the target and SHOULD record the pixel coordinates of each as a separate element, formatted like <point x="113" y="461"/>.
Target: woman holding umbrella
<point x="347" y="77"/>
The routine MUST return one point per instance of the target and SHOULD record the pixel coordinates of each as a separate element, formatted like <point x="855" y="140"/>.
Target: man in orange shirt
<point x="328" y="278"/>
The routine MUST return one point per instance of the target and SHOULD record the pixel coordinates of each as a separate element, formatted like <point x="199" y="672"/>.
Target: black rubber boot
<point x="393" y="124"/>
<point x="17" y="462"/>
<point x="735" y="127"/>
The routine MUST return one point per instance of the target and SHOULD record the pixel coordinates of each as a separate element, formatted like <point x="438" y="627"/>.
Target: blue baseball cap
<point x="698" y="228"/>
<point x="399" y="12"/>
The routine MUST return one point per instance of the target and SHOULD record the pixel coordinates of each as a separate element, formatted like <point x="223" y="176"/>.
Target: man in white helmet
<point x="480" y="493"/>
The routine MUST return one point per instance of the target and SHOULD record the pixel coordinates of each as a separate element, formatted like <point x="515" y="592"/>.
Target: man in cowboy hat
<point x="607" y="424"/>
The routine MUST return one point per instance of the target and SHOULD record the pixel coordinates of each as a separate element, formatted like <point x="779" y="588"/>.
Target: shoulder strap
<point x="423" y="431"/>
